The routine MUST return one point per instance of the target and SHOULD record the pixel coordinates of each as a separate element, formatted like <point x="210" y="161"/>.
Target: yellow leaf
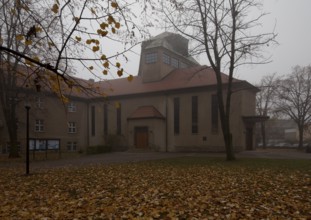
<point x="64" y="99"/>
<point x="103" y="57"/>
<point x="118" y="64"/>
<point x="106" y="64"/>
<point x="117" y="25"/>
<point x="113" y="30"/>
<point x="117" y="104"/>
<point x="105" y="72"/>
<point x="19" y="37"/>
<point x="130" y="78"/>
<point x="103" y="25"/>
<point x="97" y="42"/>
<point x="93" y="11"/>
<point x="28" y="42"/>
<point x="91" y="67"/>
<point x="88" y="41"/>
<point x="78" y="38"/>
<point x="55" y="8"/>
<point x="95" y="48"/>
<point x="120" y="72"/>
<point x="13" y="11"/>
<point x="110" y="19"/>
<point x="114" y="4"/>
<point x="104" y="33"/>
<point x="76" y="19"/>
<point x="36" y="58"/>
<point x="38" y="29"/>
<point x="29" y="63"/>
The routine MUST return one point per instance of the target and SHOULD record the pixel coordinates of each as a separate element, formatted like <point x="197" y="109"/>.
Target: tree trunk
<point x="263" y="134"/>
<point x="12" y="129"/>
<point x="300" y="128"/>
<point x="228" y="139"/>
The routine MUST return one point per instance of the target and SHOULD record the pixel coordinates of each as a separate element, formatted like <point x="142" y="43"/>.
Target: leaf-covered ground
<point x="184" y="188"/>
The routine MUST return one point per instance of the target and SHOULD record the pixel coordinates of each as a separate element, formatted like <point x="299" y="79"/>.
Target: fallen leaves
<point x="155" y="191"/>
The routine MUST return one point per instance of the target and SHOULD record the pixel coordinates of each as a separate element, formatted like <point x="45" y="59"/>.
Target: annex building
<point x="170" y="106"/>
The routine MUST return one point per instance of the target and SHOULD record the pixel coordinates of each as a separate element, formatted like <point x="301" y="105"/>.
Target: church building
<point x="170" y="106"/>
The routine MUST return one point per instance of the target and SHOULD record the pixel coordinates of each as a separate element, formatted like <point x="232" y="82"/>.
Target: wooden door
<point x="141" y="137"/>
<point x="249" y="138"/>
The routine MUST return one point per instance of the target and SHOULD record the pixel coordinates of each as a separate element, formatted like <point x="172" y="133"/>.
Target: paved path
<point x="276" y="154"/>
<point x="126" y="157"/>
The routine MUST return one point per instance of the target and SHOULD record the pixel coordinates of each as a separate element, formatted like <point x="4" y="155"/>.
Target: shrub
<point x="98" y="149"/>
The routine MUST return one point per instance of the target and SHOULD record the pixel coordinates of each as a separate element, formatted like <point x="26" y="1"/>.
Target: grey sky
<point x="294" y="37"/>
<point x="292" y="19"/>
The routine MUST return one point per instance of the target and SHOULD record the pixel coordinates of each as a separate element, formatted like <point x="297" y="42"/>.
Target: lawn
<point x="183" y="188"/>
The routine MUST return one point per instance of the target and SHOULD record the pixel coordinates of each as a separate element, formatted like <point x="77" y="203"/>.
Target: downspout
<point x="87" y="124"/>
<point x="166" y="123"/>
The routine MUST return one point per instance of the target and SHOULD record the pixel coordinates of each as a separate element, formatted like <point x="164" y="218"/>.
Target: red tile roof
<point x="144" y="112"/>
<point x="192" y="77"/>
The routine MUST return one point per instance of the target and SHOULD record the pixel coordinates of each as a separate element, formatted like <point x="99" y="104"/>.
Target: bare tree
<point x="223" y="30"/>
<point x="294" y="98"/>
<point x="264" y="100"/>
<point x="43" y="41"/>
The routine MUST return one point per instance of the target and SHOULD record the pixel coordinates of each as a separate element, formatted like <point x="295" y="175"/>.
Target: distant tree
<point x="49" y="39"/>
<point x="293" y="98"/>
<point x="224" y="32"/>
<point x="265" y="99"/>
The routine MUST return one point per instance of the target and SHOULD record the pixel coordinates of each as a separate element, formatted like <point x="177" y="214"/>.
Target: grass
<point x="247" y="163"/>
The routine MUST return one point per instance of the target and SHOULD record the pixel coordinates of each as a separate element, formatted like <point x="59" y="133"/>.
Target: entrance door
<point x="141" y="137"/>
<point x="249" y="138"/>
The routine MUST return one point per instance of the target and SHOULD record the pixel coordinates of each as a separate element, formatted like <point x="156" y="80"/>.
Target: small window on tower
<point x="174" y="62"/>
<point x="151" y="58"/>
<point x="166" y="59"/>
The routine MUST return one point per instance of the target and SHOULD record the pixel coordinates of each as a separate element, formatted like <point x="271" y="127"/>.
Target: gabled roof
<point x="178" y="79"/>
<point x="145" y="112"/>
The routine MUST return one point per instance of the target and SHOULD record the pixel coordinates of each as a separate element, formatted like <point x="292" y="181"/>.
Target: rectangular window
<point x="71" y="146"/>
<point x="214" y="113"/>
<point x="93" y="120"/>
<point x="166" y="59"/>
<point x="194" y="114"/>
<point x="176" y="115"/>
<point x="105" y="119"/>
<point x="39" y="102"/>
<point x="39" y="125"/>
<point x="72" y="127"/>
<point x="119" y="120"/>
<point x="151" y="58"/>
<point x="174" y="62"/>
<point x="72" y="107"/>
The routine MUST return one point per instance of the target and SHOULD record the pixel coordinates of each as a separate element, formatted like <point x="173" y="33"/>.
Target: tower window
<point x="174" y="62"/>
<point x="166" y="59"/>
<point x="151" y="58"/>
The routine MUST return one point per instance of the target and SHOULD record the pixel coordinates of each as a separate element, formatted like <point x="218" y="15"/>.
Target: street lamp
<point x="27" y="107"/>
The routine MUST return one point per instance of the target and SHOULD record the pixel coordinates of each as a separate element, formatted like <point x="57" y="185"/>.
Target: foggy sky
<point x="293" y="26"/>
<point x="292" y="22"/>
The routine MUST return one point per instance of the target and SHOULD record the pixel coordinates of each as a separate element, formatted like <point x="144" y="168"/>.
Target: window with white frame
<point x="71" y="146"/>
<point x="72" y="107"/>
<point x="166" y="58"/>
<point x="174" y="62"/>
<point x="39" y="102"/>
<point x="39" y="125"/>
<point x="72" y="127"/>
<point x="151" y="58"/>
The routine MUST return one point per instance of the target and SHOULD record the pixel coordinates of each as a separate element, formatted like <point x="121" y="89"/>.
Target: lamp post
<point x="27" y="107"/>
